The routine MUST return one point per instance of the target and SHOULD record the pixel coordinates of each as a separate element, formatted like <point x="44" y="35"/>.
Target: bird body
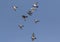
<point x="20" y="26"/>
<point x="33" y="37"/>
<point x="14" y="7"/>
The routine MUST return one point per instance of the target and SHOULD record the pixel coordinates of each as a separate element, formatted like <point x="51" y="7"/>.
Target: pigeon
<point x="33" y="37"/>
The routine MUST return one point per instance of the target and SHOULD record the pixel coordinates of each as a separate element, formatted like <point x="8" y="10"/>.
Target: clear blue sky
<point x="48" y="30"/>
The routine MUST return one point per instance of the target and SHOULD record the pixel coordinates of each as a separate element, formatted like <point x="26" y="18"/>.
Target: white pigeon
<point x="35" y="5"/>
<point x="14" y="7"/>
<point x="36" y="20"/>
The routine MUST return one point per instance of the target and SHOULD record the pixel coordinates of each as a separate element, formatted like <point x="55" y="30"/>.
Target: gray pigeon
<point x="33" y="37"/>
<point x="21" y="26"/>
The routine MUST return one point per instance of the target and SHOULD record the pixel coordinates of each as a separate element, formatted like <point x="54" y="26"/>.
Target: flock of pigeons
<point x="29" y="12"/>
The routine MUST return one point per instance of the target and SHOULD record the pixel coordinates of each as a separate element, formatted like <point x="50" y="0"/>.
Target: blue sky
<point x="48" y="30"/>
